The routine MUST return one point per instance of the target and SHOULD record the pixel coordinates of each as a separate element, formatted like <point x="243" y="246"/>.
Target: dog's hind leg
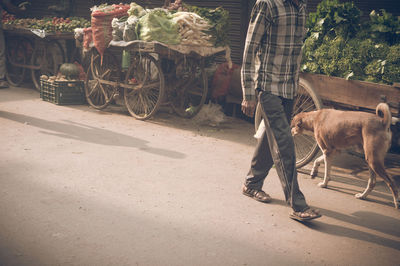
<point x="390" y="183"/>
<point x="379" y="169"/>
<point x="370" y="186"/>
<point x="327" y="161"/>
<point x="317" y="163"/>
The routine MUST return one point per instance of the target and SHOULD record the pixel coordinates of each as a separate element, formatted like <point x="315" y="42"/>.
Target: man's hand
<point x="248" y="107"/>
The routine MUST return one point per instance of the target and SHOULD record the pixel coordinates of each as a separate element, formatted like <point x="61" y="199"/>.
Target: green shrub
<point x="338" y="44"/>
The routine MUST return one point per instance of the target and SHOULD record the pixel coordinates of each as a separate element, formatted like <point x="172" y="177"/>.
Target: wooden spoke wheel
<point x="16" y="55"/>
<point x="305" y="145"/>
<point x="102" y="79"/>
<point x="190" y="88"/>
<point x="144" y="86"/>
<point x="48" y="56"/>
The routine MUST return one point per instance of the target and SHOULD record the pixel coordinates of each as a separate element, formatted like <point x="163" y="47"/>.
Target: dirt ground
<point x="85" y="187"/>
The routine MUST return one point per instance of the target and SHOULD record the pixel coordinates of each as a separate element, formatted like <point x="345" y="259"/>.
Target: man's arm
<point x="259" y="21"/>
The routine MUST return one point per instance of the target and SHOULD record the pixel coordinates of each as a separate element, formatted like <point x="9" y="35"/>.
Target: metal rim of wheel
<point x="15" y="53"/>
<point x="98" y="93"/>
<point x="147" y="92"/>
<point x="53" y="55"/>
<point x="190" y="90"/>
<point x="307" y="100"/>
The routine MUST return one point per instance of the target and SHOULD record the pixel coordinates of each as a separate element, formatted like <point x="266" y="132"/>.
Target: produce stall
<point x="38" y="46"/>
<point x="162" y="51"/>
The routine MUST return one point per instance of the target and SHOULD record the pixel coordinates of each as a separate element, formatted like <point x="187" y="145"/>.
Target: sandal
<point x="256" y="194"/>
<point x="306" y="215"/>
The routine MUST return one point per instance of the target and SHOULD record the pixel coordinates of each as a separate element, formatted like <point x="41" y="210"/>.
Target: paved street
<point x="85" y="187"/>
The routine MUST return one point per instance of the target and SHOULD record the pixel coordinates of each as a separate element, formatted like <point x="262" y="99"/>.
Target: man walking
<point x="270" y="71"/>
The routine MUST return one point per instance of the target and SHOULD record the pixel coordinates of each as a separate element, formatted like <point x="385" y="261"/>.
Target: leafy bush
<point x="338" y="44"/>
<point x="334" y="19"/>
<point x="384" y="26"/>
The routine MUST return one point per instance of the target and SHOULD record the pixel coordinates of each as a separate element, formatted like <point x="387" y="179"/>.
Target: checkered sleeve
<point x="259" y="21"/>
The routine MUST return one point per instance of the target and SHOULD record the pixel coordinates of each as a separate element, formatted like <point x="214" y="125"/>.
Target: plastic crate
<point x="62" y="92"/>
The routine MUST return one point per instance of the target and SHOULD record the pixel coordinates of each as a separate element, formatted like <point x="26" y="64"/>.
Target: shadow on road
<point x="114" y="232"/>
<point x="370" y="220"/>
<point x="342" y="231"/>
<point x="81" y="132"/>
<point x="231" y="129"/>
<point x="350" y="176"/>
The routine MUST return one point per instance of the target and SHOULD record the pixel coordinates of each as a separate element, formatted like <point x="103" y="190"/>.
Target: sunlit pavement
<point x="85" y="187"/>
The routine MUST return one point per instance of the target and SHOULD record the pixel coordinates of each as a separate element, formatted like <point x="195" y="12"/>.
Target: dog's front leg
<point x="314" y="170"/>
<point x="327" y="162"/>
<point x="370" y="186"/>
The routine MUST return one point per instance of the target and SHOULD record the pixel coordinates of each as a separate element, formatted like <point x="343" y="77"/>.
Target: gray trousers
<point x="276" y="146"/>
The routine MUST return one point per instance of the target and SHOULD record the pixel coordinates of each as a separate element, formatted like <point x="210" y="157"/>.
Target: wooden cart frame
<point x="158" y="74"/>
<point x="26" y="51"/>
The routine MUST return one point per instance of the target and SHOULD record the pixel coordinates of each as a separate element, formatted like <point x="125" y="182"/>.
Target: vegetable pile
<point x="177" y="23"/>
<point x="7" y="17"/>
<point x="101" y="19"/>
<point x="219" y="22"/>
<point x="339" y="44"/>
<point x="49" y="24"/>
<point x="192" y="29"/>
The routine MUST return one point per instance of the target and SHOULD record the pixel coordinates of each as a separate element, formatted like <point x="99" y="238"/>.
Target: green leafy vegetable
<point x="219" y="21"/>
<point x="338" y="44"/>
<point x="157" y="25"/>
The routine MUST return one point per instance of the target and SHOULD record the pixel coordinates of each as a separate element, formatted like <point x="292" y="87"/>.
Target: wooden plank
<point x="353" y="92"/>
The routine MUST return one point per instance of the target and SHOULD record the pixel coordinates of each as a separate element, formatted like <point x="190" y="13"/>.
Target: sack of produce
<point x="101" y="23"/>
<point x="157" y="25"/>
<point x="87" y="39"/>
<point x="118" y="26"/>
<point x="130" y="29"/>
<point x="221" y="82"/>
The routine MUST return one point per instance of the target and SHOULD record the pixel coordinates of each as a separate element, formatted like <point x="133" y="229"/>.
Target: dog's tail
<point x="383" y="111"/>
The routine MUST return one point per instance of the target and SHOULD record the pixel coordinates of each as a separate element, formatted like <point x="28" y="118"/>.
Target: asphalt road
<point x="85" y="187"/>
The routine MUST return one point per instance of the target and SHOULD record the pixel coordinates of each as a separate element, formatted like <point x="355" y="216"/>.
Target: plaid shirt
<point x="272" y="52"/>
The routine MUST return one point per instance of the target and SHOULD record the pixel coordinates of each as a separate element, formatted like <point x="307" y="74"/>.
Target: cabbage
<point x="157" y="25"/>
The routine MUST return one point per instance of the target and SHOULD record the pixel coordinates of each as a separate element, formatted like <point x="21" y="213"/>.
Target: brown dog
<point x="335" y="130"/>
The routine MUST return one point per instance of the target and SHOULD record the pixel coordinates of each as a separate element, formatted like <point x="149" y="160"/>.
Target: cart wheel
<point x="144" y="96"/>
<point x="305" y="145"/>
<point x="189" y="92"/>
<point x="15" y="55"/>
<point x="102" y="79"/>
<point x="49" y="57"/>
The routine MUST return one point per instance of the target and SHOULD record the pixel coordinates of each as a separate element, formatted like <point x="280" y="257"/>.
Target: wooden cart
<point x="158" y="74"/>
<point x="33" y="51"/>
<point x="321" y="91"/>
